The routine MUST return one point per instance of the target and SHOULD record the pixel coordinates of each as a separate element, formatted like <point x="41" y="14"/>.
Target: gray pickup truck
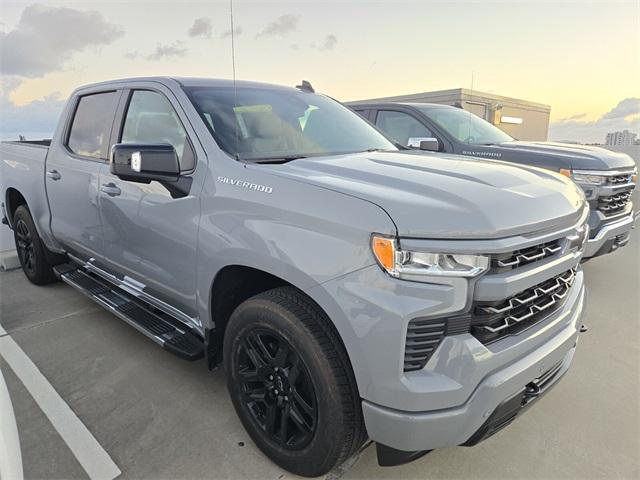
<point x="350" y="290"/>
<point x="607" y="178"/>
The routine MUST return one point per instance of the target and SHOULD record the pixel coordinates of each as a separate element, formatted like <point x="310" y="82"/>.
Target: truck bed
<point x="22" y="168"/>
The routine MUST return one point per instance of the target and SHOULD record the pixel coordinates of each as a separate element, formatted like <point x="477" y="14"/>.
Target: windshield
<point x="256" y="123"/>
<point x="466" y="126"/>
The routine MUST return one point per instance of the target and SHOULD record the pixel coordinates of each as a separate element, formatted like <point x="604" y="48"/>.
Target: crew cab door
<point x="150" y="230"/>
<point x="73" y="167"/>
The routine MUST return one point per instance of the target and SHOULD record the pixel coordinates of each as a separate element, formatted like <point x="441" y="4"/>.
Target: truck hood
<point x="578" y="157"/>
<point x="448" y="196"/>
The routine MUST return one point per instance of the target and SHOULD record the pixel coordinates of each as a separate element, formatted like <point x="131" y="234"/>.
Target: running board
<point x="166" y="331"/>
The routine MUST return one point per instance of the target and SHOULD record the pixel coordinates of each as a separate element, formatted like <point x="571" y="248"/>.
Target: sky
<point x="580" y="57"/>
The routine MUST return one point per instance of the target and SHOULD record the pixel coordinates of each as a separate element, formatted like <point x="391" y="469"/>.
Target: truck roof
<point x="186" y="82"/>
<point x="407" y="104"/>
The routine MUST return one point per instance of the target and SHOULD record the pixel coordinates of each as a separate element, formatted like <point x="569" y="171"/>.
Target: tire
<point x="36" y="260"/>
<point x="280" y="341"/>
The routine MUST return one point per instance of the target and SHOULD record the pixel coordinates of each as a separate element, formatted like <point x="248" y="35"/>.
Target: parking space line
<point x="10" y="455"/>
<point x="89" y="453"/>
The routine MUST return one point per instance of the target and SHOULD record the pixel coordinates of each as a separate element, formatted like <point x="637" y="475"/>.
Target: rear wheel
<point x="291" y="382"/>
<point x="36" y="261"/>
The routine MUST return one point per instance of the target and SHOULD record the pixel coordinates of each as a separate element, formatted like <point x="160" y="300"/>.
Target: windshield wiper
<point x="275" y="159"/>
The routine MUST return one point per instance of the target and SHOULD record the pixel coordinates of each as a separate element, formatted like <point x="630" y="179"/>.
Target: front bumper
<point x="491" y="403"/>
<point x="610" y="237"/>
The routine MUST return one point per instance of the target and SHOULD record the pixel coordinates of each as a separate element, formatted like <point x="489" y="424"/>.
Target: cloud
<point x="227" y="33"/>
<point x="578" y="116"/>
<point x="329" y="43"/>
<point x="202" y="27"/>
<point x="628" y="106"/>
<point x="282" y="26"/>
<point x="176" y="49"/>
<point x="47" y="37"/>
<point x="624" y="116"/>
<point x="36" y="119"/>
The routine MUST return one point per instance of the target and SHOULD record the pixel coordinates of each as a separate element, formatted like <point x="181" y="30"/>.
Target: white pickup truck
<point x="349" y="289"/>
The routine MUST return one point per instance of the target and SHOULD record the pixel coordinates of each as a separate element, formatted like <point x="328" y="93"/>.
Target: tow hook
<point x="584" y="328"/>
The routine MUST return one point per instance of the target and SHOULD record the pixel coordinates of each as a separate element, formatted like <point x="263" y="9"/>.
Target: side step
<point x="159" y="327"/>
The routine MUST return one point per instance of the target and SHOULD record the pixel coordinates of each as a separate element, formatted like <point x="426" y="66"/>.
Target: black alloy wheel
<point x="35" y="259"/>
<point x="25" y="247"/>
<point x="277" y="388"/>
<point x="291" y="382"/>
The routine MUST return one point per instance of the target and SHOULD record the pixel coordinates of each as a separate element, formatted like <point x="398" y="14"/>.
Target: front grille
<point x="613" y="204"/>
<point x="494" y="320"/>
<point x="520" y="258"/>
<point x="619" y="179"/>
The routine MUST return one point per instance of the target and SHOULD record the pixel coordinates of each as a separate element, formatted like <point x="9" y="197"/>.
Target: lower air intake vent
<point x="424" y="336"/>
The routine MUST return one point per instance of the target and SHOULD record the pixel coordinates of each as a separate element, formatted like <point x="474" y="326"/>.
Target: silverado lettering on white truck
<point x="367" y="295"/>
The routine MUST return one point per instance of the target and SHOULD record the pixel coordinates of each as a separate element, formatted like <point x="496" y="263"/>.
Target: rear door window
<point x="91" y="127"/>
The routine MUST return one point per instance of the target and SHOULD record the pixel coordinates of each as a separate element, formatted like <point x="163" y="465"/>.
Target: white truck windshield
<point x="261" y="123"/>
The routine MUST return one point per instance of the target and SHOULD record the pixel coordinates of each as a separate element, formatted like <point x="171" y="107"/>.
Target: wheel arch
<point x="234" y="284"/>
<point x="13" y="199"/>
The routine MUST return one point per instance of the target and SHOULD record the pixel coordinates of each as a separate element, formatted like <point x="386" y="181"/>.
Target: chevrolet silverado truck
<point x="349" y="289"/>
<point x="607" y="178"/>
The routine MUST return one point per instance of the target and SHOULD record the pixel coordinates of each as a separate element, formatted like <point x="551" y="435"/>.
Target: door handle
<point x="54" y="175"/>
<point x="110" y="189"/>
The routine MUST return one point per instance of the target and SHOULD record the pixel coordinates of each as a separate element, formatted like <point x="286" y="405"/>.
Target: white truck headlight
<point x="584" y="178"/>
<point x="588" y="179"/>
<point x="418" y="266"/>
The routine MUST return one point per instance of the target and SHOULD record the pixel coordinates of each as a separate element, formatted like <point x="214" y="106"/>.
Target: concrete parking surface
<point x="158" y="416"/>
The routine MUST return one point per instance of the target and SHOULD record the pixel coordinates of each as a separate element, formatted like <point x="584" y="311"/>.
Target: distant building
<point x="624" y="137"/>
<point x="521" y="119"/>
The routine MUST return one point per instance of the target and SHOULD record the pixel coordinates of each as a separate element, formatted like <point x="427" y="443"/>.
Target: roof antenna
<point x="233" y="68"/>
<point x="471" y="98"/>
<point x="306" y="87"/>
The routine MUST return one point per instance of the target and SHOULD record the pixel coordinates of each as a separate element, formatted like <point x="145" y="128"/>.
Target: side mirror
<point x="424" y="143"/>
<point x="144" y="162"/>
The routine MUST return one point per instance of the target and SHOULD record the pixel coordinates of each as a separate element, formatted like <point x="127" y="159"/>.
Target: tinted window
<point x="362" y="113"/>
<point x="91" y="127"/>
<point x="401" y="126"/>
<point x="466" y="127"/>
<point x="256" y="123"/>
<point x="151" y="119"/>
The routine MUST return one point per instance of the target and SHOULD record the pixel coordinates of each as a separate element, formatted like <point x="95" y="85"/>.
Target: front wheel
<point x="291" y="382"/>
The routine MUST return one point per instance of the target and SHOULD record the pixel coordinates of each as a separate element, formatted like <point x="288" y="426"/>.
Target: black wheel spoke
<point x="257" y="395"/>
<point x="261" y="348"/>
<point x="298" y="419"/>
<point x="294" y="371"/>
<point x="270" y="421"/>
<point x="302" y="403"/>
<point x="281" y="355"/>
<point x="254" y="354"/>
<point x="284" y="425"/>
<point x="249" y="376"/>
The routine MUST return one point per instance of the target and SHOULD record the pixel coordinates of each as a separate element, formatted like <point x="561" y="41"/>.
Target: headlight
<point x="417" y="266"/>
<point x="583" y="178"/>
<point x="588" y="179"/>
